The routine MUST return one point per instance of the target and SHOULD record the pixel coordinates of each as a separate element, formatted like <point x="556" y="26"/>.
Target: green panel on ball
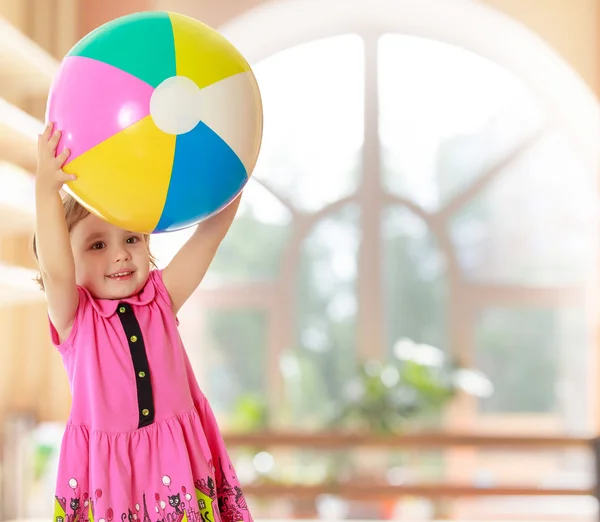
<point x="141" y="44"/>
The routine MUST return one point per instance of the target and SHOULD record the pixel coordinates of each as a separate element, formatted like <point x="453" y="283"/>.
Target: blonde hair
<point x="74" y="213"/>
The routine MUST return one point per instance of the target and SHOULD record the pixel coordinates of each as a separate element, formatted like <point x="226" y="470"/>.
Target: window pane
<point x="253" y="247"/>
<point x="313" y="114"/>
<point x="534" y="224"/>
<point x="326" y="306"/>
<point x="235" y="350"/>
<point x="446" y="115"/>
<point x="519" y="346"/>
<point x="414" y="280"/>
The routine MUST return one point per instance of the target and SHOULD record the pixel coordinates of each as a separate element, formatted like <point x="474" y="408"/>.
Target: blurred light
<point x="289" y="366"/>
<point x="331" y="507"/>
<point x="315" y="338"/>
<point x="407" y="350"/>
<point x="390" y="376"/>
<point x="473" y="382"/>
<point x="343" y="306"/>
<point x="396" y="476"/>
<point x="263" y="462"/>
<point x="354" y="391"/>
<point x="373" y="368"/>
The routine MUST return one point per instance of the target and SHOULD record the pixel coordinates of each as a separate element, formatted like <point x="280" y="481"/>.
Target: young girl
<point x="141" y="443"/>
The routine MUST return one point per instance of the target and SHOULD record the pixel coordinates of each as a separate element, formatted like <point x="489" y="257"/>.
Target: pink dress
<point x="142" y="443"/>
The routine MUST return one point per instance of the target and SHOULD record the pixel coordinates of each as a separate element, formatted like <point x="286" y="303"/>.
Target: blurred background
<point x="403" y="321"/>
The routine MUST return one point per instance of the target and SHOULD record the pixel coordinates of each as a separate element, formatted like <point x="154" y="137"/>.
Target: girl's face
<point x="110" y="262"/>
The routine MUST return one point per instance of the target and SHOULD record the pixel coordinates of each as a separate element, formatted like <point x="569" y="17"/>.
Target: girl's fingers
<point x="64" y="177"/>
<point x="48" y="131"/>
<point x="62" y="157"/>
<point x="55" y="139"/>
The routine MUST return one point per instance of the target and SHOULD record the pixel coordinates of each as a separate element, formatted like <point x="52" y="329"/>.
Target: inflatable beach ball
<point x="163" y="118"/>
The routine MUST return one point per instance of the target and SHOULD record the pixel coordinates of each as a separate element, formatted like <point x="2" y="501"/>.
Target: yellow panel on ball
<point x="202" y="54"/>
<point x="125" y="179"/>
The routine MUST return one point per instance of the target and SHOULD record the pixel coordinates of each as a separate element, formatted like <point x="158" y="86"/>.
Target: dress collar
<point x="107" y="307"/>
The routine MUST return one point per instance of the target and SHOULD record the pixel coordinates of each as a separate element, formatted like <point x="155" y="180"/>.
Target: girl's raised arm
<point x="187" y="269"/>
<point x="52" y="243"/>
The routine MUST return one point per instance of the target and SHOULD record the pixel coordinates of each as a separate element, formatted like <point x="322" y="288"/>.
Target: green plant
<point x="250" y="413"/>
<point x="416" y="385"/>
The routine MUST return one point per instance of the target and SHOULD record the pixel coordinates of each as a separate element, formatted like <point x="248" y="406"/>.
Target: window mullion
<point x="371" y="334"/>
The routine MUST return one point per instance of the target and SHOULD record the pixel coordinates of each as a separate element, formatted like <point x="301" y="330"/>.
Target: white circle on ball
<point x="173" y="105"/>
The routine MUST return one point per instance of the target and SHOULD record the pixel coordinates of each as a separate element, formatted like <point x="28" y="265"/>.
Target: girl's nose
<point x="121" y="254"/>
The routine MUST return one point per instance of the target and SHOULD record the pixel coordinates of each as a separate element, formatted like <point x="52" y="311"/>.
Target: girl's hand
<point x="50" y="176"/>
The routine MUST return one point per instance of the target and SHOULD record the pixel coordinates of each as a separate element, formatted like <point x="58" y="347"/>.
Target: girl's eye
<point x="98" y="245"/>
<point x="132" y="240"/>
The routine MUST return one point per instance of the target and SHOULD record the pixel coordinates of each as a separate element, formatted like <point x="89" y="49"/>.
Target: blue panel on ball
<point x="206" y="176"/>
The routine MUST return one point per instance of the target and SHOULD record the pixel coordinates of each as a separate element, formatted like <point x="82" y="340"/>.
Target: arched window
<point x="458" y="216"/>
<point x="415" y="181"/>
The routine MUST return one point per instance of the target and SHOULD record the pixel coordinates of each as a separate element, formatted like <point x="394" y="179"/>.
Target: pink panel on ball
<point x="89" y="101"/>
